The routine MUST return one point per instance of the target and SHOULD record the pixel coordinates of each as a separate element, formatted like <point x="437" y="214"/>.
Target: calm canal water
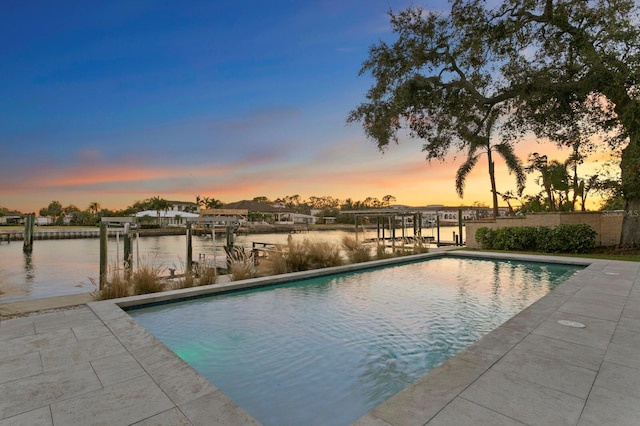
<point x="62" y="267"/>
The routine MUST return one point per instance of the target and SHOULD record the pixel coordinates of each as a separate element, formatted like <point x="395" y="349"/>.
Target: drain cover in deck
<point x="573" y="324"/>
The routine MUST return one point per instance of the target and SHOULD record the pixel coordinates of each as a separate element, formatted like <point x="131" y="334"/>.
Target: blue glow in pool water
<point x="325" y="351"/>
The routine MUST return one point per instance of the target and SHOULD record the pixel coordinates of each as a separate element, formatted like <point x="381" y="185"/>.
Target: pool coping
<point x="417" y="404"/>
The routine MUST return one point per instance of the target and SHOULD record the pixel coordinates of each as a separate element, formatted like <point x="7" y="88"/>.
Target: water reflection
<point x="29" y="269"/>
<point x="63" y="267"/>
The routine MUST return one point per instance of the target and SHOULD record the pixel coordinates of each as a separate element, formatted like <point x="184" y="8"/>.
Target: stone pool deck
<point x="93" y="365"/>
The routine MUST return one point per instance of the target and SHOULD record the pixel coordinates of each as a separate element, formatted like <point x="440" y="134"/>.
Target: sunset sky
<point x="119" y="101"/>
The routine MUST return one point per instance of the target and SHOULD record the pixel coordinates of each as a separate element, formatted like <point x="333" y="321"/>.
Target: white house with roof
<point x="168" y="217"/>
<point x="297" y="218"/>
<point x="184" y="206"/>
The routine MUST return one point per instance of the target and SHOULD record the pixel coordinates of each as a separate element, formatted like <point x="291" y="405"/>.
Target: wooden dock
<point x="410" y="241"/>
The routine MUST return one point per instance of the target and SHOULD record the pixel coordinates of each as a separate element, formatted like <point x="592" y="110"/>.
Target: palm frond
<point x="514" y="164"/>
<point x="464" y="171"/>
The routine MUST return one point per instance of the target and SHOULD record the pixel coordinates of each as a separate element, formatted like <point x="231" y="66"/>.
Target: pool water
<point x="326" y="351"/>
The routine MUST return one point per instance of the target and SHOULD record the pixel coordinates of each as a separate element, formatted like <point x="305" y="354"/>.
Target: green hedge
<point x="560" y="239"/>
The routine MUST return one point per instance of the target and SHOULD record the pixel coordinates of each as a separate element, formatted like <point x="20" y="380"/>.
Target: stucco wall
<point x="608" y="225"/>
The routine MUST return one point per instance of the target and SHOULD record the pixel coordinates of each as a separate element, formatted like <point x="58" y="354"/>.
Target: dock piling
<point x="29" y="231"/>
<point x="103" y="254"/>
<point x="127" y="250"/>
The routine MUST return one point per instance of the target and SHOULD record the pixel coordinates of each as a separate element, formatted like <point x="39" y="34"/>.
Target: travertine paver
<point x="520" y="399"/>
<point x="549" y="372"/>
<point x="571" y="353"/>
<point x="117" y="368"/>
<point x="80" y="352"/>
<point x="38" y="417"/>
<point x="606" y="407"/>
<point x="172" y="417"/>
<point x="20" y="366"/>
<point x="96" y="365"/>
<point x="44" y="389"/>
<point x="597" y="332"/>
<point x="462" y="411"/>
<point x="119" y="404"/>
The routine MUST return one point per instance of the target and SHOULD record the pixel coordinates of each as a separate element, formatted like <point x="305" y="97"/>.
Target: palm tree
<point x="507" y="197"/>
<point x="212" y="203"/>
<point x="160" y="204"/>
<point x="479" y="142"/>
<point x="553" y="178"/>
<point x="94" y="207"/>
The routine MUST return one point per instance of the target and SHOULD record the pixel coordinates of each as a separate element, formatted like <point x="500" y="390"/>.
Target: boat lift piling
<point x="104" y="234"/>
<point x="128" y="259"/>
<point x="29" y="231"/>
<point x="210" y="221"/>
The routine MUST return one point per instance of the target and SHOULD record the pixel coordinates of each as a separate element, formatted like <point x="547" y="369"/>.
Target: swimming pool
<point x="327" y="350"/>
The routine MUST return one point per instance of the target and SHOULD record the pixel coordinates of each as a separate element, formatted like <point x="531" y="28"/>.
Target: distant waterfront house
<point x="298" y="218"/>
<point x="276" y="212"/>
<point x="44" y="220"/>
<point x="168" y="218"/>
<point x="318" y="214"/>
<point x="327" y="219"/>
<point x="430" y="215"/>
<point x="184" y="206"/>
<point x="11" y="219"/>
<point x="449" y="214"/>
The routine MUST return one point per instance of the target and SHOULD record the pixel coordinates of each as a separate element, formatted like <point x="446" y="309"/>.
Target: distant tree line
<point x="562" y="189"/>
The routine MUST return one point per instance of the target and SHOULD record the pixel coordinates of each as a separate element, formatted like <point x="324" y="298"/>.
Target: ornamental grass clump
<point x="242" y="269"/>
<point x="296" y="255"/>
<point x="146" y="279"/>
<point x="207" y="274"/>
<point x="382" y="253"/>
<point x="116" y="286"/>
<point x="322" y="254"/>
<point x="355" y="251"/>
<point x="188" y="280"/>
<point x="274" y="264"/>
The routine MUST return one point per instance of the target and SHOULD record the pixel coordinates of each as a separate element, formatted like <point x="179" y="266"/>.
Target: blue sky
<point x="119" y="101"/>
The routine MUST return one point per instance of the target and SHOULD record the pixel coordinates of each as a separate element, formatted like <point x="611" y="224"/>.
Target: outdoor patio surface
<point x="94" y="365"/>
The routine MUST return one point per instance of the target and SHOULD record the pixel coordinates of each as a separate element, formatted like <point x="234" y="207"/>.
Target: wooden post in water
<point x="356" y="221"/>
<point x="103" y="254"/>
<point x="29" y="230"/>
<point x="189" y="249"/>
<point x="460" y="225"/>
<point x="392" y="233"/>
<point x="229" y="231"/>
<point x="127" y="250"/>
<point x="438" y="230"/>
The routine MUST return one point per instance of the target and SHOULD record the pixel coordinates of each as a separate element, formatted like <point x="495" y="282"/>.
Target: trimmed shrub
<point x="571" y="239"/>
<point x="578" y="238"/>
